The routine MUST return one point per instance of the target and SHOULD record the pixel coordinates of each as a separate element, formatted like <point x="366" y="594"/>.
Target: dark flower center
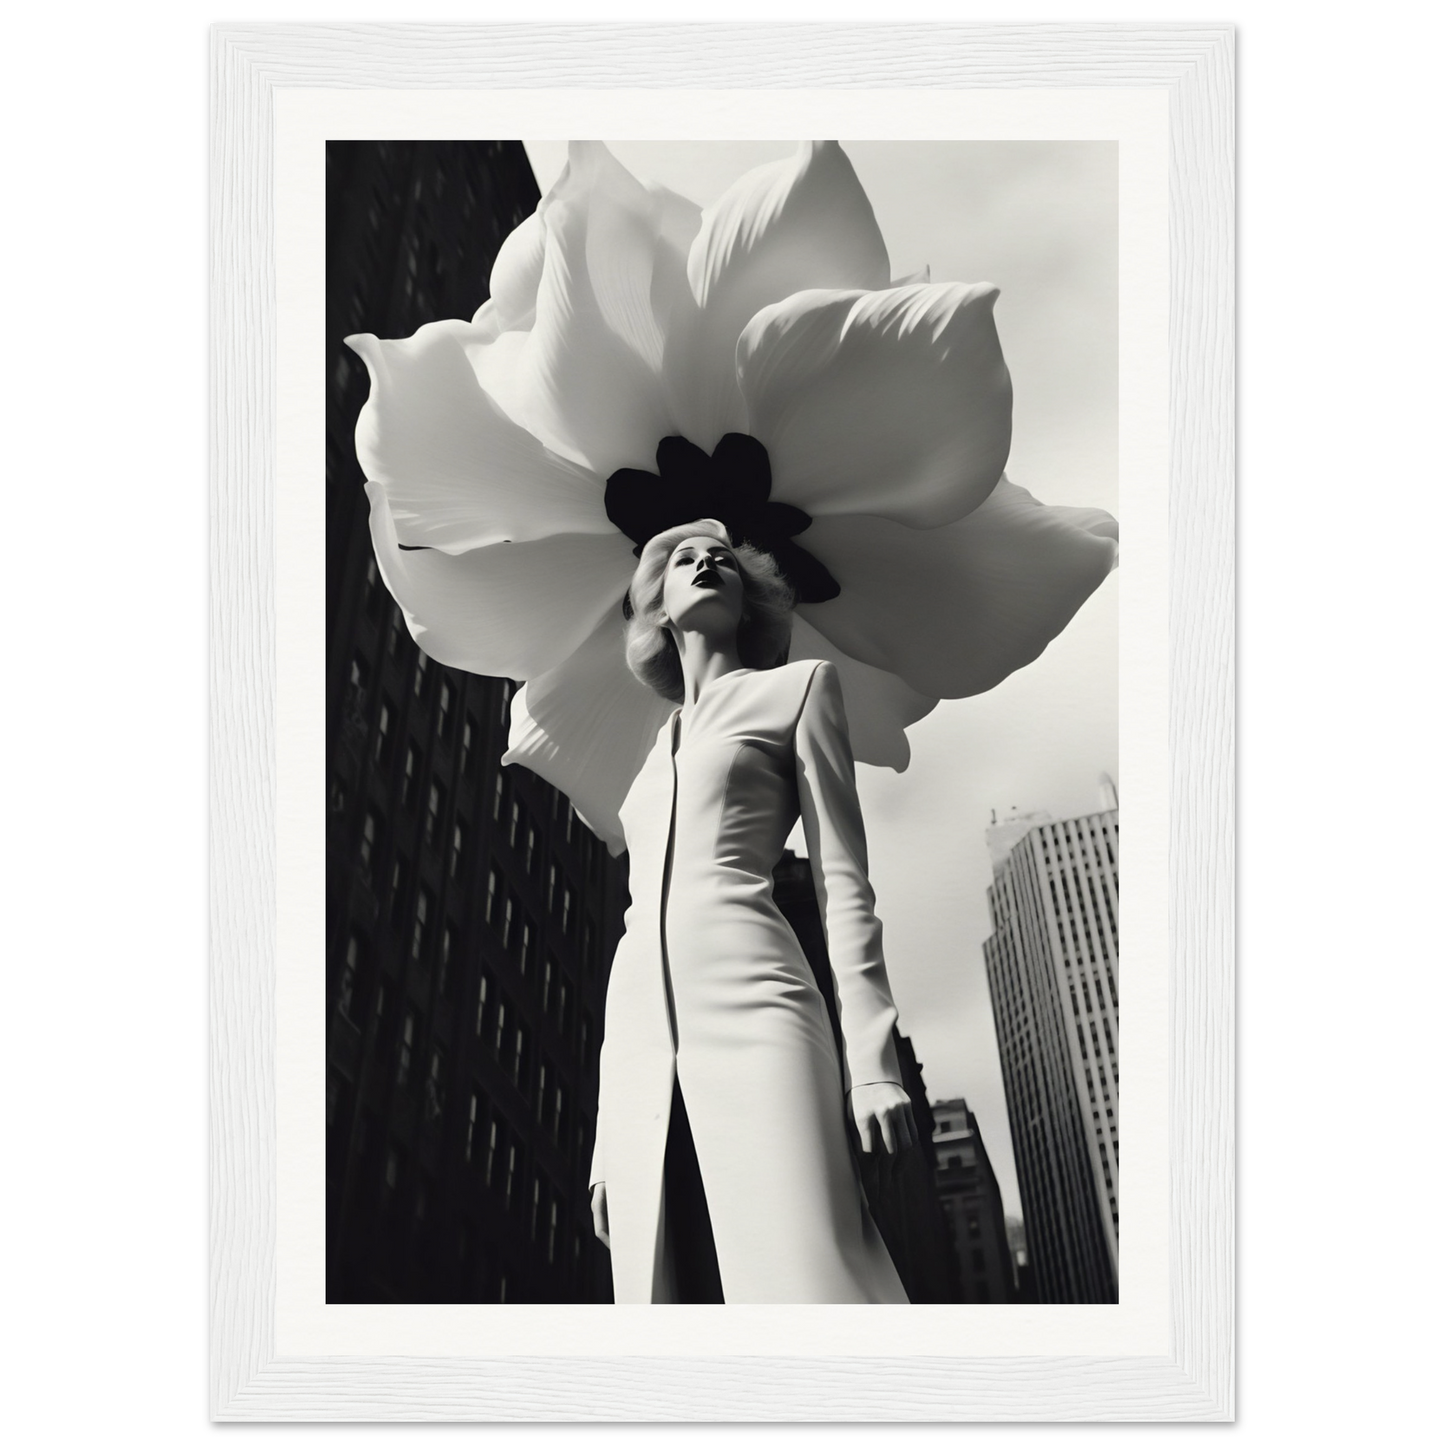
<point x="732" y="485"/>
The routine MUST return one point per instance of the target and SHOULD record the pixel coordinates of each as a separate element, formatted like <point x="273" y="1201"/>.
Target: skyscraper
<point x="973" y="1206"/>
<point x="1053" y="963"/>
<point x="470" y="916"/>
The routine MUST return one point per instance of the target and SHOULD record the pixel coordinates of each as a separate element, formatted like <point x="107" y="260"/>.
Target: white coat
<point x="710" y="986"/>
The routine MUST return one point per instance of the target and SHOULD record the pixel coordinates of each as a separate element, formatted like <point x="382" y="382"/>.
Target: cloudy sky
<point x="1038" y="219"/>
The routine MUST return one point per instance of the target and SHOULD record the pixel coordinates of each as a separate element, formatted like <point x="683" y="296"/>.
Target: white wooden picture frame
<point x="278" y="1360"/>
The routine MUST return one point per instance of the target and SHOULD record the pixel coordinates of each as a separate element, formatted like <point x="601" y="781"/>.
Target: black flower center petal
<point x="733" y="485"/>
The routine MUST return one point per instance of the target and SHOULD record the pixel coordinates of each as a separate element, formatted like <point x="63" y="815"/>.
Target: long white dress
<point x="710" y="989"/>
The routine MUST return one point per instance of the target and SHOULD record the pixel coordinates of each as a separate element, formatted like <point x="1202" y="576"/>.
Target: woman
<point x="722" y="1170"/>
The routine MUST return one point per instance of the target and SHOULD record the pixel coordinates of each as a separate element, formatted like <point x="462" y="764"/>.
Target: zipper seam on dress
<point x="674" y="741"/>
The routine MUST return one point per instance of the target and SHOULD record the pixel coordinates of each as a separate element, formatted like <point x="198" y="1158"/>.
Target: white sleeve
<point x="838" y="854"/>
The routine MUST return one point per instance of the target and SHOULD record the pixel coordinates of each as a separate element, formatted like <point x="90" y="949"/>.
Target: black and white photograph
<point x="723" y="792"/>
<point x="726" y="614"/>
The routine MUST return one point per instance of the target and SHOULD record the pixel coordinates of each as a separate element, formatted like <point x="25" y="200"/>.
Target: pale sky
<point x="1039" y="220"/>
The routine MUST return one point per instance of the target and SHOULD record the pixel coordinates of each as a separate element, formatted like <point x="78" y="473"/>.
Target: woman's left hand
<point x="884" y="1118"/>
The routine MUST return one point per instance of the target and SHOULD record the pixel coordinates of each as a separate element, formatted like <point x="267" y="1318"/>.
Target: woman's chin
<point x="708" y="613"/>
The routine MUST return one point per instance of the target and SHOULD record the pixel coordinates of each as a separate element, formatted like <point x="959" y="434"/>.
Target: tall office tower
<point x="973" y="1206"/>
<point x="470" y="916"/>
<point x="903" y="1194"/>
<point x="1053" y="964"/>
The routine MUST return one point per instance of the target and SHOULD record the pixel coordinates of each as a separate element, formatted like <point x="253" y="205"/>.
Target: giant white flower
<point x="643" y="362"/>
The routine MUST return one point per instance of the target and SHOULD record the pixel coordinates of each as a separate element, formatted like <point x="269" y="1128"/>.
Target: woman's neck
<point x="703" y="658"/>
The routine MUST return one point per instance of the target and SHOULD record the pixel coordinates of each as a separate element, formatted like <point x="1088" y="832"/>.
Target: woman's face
<point x="702" y="588"/>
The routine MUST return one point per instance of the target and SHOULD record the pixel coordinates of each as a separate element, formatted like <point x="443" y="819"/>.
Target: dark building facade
<point x="1053" y="964"/>
<point x="973" y="1206"/>
<point x="471" y="917"/>
<point x="903" y="1195"/>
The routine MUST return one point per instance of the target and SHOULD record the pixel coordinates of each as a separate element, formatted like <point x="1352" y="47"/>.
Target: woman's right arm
<point x="596" y="1178"/>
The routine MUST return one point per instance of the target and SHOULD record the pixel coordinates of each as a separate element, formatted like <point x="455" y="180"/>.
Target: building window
<point x="444" y="962"/>
<point x="368" y="841"/>
<point x="444" y="710"/>
<point x="468" y="737"/>
<point x="563" y="1017"/>
<point x="418" y="682"/>
<point x="459" y="846"/>
<point x="494" y="888"/>
<point x="541" y="1091"/>
<point x="548" y="972"/>
<point x="499" y="790"/>
<point x="434" y="802"/>
<point x="514" y="831"/>
<point x="974" y="1229"/>
<point x="483" y="990"/>
<point x="383" y="733"/>
<point x="551" y="886"/>
<point x="571" y="820"/>
<point x="393" y="636"/>
<point x="398" y="889"/>
<point x="418" y="928"/>
<point x="408" y="774"/>
<point x="536" y="1210"/>
<point x="494" y="1144"/>
<point x="519" y="1054"/>
<point x="356" y="683"/>
<point x="566" y="908"/>
<point x="408" y="1038"/>
<point x="529" y="856"/>
<point x="346" y="993"/>
<point x="559" y="1112"/>
<point x="509" y="919"/>
<point x="505" y="712"/>
<point x="514" y="1163"/>
<point x="589" y="942"/>
<point x="499" y="1031"/>
<point x="528" y="956"/>
<point x="474" y="1113"/>
<point x="469" y="733"/>
<point x="374" y="590"/>
<point x="435" y="1084"/>
<point x="552" y="1233"/>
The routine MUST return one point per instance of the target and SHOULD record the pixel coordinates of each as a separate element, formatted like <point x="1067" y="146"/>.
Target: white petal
<point x="896" y="403"/>
<point x="786" y="226"/>
<point x="879" y="705"/>
<point x="514" y="609"/>
<point x="486" y="324"/>
<point x="587" y="376"/>
<point x="587" y="727"/>
<point x="458" y="472"/>
<point x="517" y="273"/>
<point x="953" y="610"/>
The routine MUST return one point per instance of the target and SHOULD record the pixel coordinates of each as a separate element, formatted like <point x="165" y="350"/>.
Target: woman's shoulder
<point x="796" y="677"/>
<point x="788" y="688"/>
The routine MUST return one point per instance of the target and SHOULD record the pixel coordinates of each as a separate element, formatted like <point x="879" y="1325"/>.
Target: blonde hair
<point x="763" y="633"/>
